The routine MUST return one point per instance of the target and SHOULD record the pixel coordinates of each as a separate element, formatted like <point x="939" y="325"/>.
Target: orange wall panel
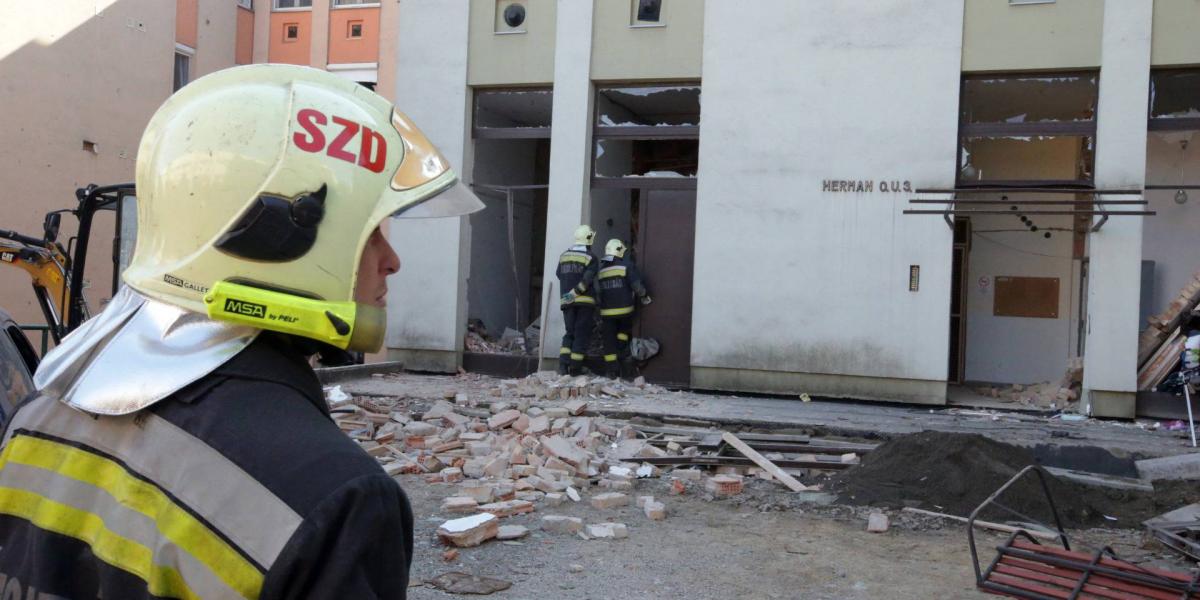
<point x="186" y="12"/>
<point x="345" y="49"/>
<point x="244" y="53"/>
<point x="295" y="51"/>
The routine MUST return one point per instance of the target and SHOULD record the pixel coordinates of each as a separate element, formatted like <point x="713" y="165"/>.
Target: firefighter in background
<point x="619" y="286"/>
<point x="576" y="273"/>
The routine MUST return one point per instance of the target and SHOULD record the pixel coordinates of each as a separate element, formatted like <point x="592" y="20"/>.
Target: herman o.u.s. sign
<point x="865" y="185"/>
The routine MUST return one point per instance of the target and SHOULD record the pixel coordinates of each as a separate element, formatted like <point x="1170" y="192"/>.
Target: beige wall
<point x="1062" y="35"/>
<point x="217" y="39"/>
<point x="621" y="52"/>
<point x="1176" y="42"/>
<point x="262" y="31"/>
<point x="389" y="27"/>
<point x="511" y="58"/>
<point x="88" y="70"/>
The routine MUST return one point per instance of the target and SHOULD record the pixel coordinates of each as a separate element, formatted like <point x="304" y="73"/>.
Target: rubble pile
<point x="547" y="385"/>
<point x="535" y="447"/>
<point x="1063" y="394"/>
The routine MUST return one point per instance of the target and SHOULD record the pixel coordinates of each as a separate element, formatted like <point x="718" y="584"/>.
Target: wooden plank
<point x="1037" y="533"/>
<point x="763" y="463"/>
<point x="1159" y="367"/>
<point x="1156" y="356"/>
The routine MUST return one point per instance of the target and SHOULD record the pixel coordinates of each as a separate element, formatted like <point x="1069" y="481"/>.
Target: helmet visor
<point x="454" y="201"/>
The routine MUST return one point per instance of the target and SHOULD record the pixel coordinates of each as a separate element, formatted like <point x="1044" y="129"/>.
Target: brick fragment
<point x="469" y="531"/>
<point x="608" y="530"/>
<point x="459" y="504"/>
<point x="609" y="500"/>
<point x="561" y="524"/>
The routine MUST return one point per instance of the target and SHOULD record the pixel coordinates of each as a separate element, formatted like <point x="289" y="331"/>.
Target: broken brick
<point x="609" y="500"/>
<point x="561" y="524"/>
<point x="507" y="509"/>
<point x="608" y="530"/>
<point x="459" y="504"/>
<point x="469" y="531"/>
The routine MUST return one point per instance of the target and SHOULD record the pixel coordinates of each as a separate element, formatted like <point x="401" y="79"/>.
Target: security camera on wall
<point x="510" y="16"/>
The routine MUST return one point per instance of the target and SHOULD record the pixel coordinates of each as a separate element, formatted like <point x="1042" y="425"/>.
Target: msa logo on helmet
<point x="247" y="309"/>
<point x="372" y="147"/>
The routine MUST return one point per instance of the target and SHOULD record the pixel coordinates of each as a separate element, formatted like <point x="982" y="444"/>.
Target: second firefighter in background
<point x="619" y="286"/>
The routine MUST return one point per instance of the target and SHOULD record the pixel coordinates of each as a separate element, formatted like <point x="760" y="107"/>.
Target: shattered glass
<point x="513" y="108"/>
<point x="1175" y="94"/>
<point x="660" y="106"/>
<point x="1028" y="99"/>
<point x="1039" y="157"/>
<point x="647" y="158"/>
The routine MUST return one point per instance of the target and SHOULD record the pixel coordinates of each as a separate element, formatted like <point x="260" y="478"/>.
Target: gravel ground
<point x="704" y="549"/>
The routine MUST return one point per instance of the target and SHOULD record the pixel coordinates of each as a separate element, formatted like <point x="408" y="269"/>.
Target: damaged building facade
<point x="782" y="172"/>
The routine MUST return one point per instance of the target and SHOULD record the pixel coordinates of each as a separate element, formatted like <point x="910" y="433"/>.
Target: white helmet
<point x="615" y="247"/>
<point x="584" y="234"/>
<point x="258" y="187"/>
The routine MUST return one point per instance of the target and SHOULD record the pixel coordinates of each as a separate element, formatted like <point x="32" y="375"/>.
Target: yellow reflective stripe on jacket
<point x="616" y="312"/>
<point x="624" y="337"/>
<point x="584" y="300"/>
<point x="564" y="350"/>
<point x="173" y="522"/>
<point x="109" y="547"/>
<point x="607" y="272"/>
<point x="575" y="258"/>
<point x="610" y="358"/>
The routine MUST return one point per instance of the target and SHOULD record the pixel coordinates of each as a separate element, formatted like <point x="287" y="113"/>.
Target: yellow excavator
<point x="55" y="269"/>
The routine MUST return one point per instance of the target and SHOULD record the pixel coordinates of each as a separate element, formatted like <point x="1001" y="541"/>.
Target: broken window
<point x="1045" y="159"/>
<point x="1023" y="99"/>
<point x="647" y="158"/>
<point x="647" y="136"/>
<point x="1175" y="96"/>
<point x="354" y="29"/>
<point x="648" y="106"/>
<point x="512" y="113"/>
<point x="1033" y="129"/>
<point x="291" y="32"/>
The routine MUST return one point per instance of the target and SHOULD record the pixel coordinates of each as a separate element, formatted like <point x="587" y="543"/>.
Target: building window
<point x="354" y="29"/>
<point x="647" y="136"/>
<point x="291" y="32"/>
<point x="246" y="4"/>
<point x="183" y="65"/>
<point x="1035" y="128"/>
<point x="646" y="13"/>
<point x="285" y="4"/>
<point x="353" y="2"/>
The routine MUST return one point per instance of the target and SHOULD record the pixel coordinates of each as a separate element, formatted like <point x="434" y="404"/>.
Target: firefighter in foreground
<point x="619" y="286"/>
<point x="180" y="445"/>
<point x="576" y="274"/>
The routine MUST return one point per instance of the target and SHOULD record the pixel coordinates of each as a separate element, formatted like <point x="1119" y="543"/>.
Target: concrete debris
<point x="877" y="522"/>
<point x="508" y="508"/>
<point x="608" y="530"/>
<point x="609" y="500"/>
<point x="459" y="504"/>
<point x="562" y="524"/>
<point x="655" y="511"/>
<point x="462" y="583"/>
<point x="469" y="531"/>
<point x="724" y="485"/>
<point x="511" y="532"/>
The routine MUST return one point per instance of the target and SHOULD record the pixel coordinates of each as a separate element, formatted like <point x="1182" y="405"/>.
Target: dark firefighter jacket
<point x="237" y="486"/>
<point x="618" y="283"/>
<point x="576" y="270"/>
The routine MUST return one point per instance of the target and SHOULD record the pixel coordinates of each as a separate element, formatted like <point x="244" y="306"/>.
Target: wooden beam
<point x="763" y="463"/>
<point x="1037" y="533"/>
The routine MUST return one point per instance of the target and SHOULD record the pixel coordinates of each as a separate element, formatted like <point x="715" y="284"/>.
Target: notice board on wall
<point x="1034" y="297"/>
